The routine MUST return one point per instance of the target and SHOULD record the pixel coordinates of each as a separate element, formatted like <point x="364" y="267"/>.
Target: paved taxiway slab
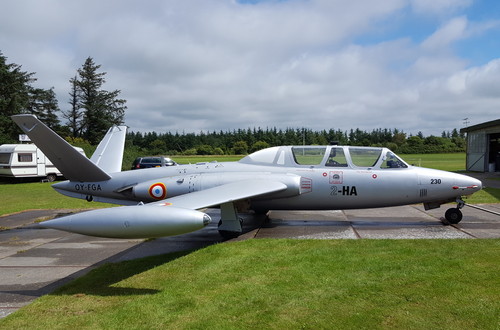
<point x="34" y="261"/>
<point x="403" y="222"/>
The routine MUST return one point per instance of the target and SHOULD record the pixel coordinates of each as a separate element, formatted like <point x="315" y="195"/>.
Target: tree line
<point x="92" y="109"/>
<point x="243" y="141"/>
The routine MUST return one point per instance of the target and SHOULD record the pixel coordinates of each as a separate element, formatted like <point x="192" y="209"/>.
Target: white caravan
<point x="27" y="161"/>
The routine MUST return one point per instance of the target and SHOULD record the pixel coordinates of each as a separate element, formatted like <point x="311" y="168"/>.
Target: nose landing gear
<point x="454" y="215"/>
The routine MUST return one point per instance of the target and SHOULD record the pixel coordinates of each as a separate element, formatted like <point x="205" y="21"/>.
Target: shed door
<point x="494" y="152"/>
<point x="476" y="152"/>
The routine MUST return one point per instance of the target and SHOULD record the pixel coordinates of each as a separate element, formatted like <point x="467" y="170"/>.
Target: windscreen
<point x="392" y="161"/>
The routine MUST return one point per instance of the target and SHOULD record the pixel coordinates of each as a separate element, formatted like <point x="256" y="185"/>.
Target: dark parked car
<point x="147" y="162"/>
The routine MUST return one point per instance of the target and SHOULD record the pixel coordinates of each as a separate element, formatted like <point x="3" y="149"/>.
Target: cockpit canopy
<point x="328" y="156"/>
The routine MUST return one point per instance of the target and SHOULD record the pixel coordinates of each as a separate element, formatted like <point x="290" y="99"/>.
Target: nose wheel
<point x="454" y="215"/>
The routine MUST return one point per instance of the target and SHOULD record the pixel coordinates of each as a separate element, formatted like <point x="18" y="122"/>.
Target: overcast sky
<point x="204" y="65"/>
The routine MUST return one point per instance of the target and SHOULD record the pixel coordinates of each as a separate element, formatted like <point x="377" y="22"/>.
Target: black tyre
<point x="453" y="215"/>
<point x="229" y="234"/>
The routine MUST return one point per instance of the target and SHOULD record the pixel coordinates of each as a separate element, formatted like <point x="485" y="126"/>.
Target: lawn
<point x="285" y="284"/>
<point x="203" y="159"/>
<point x="446" y="162"/>
<point x="18" y="197"/>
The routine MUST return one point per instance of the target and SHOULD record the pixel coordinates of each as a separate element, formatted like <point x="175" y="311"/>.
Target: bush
<point x="240" y="148"/>
<point x="218" y="151"/>
<point x="259" y="145"/>
<point x="204" y="149"/>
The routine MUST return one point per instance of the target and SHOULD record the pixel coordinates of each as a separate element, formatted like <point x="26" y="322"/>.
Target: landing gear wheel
<point x="453" y="215"/>
<point x="220" y="222"/>
<point x="229" y="234"/>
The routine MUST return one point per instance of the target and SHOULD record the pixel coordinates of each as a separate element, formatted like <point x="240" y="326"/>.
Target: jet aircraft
<point x="167" y="201"/>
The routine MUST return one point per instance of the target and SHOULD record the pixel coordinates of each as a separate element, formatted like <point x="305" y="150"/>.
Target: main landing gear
<point x="230" y="223"/>
<point x="454" y="215"/>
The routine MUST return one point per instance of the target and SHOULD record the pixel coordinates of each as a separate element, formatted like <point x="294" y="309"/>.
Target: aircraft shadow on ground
<point x="101" y="281"/>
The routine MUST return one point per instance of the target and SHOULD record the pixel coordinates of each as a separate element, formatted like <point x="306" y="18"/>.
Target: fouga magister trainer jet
<point x="166" y="201"/>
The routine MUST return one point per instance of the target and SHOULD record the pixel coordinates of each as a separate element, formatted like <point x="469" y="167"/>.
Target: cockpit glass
<point x="336" y="158"/>
<point x="364" y="157"/>
<point x="392" y="161"/>
<point x="308" y="156"/>
<point x="265" y="156"/>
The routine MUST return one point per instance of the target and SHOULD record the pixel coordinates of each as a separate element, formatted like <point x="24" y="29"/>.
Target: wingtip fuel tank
<point x="132" y="222"/>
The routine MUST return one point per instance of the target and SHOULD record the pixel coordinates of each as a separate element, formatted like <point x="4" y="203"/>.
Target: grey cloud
<point x="218" y="65"/>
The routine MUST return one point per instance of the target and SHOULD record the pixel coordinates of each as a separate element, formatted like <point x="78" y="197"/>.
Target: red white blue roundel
<point x="158" y="191"/>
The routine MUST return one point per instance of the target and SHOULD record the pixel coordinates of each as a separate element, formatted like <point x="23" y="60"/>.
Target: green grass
<point x="446" y="162"/>
<point x="18" y="197"/>
<point x="201" y="159"/>
<point x="485" y="196"/>
<point x="286" y="284"/>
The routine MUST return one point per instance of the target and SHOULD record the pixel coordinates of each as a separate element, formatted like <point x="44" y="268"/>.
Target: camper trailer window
<point x="25" y="158"/>
<point x="5" y="158"/>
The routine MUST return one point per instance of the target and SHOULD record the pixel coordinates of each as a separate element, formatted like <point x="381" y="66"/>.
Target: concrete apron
<point x="403" y="222"/>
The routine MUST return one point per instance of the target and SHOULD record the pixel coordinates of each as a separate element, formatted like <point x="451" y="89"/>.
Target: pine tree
<point x="101" y="109"/>
<point x="17" y="95"/>
<point x="74" y="115"/>
<point x="43" y="104"/>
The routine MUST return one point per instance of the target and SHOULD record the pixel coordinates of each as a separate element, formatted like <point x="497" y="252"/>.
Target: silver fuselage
<point x="318" y="186"/>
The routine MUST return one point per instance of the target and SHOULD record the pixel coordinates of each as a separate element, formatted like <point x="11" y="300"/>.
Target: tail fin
<point x="72" y="164"/>
<point x="109" y="153"/>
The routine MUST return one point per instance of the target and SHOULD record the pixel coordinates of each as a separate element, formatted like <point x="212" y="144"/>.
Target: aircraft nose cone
<point x="467" y="184"/>
<point x="479" y="184"/>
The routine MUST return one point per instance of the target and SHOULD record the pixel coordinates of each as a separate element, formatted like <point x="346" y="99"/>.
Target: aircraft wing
<point x="225" y="193"/>
<point x="172" y="216"/>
